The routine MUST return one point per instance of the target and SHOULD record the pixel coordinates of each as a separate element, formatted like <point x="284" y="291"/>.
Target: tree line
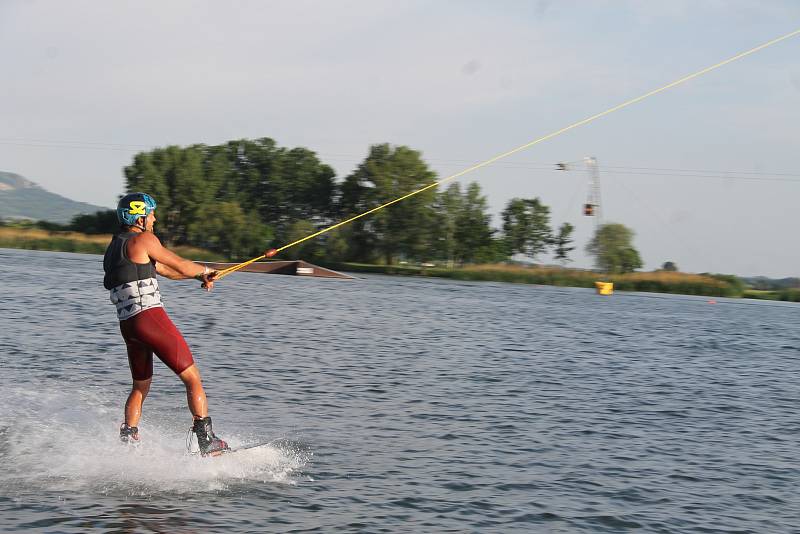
<point x="245" y="196"/>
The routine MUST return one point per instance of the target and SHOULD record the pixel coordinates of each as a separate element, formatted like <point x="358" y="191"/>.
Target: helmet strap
<point x="140" y="224"/>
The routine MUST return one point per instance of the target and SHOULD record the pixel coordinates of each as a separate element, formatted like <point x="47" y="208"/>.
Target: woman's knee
<point x="142" y="386"/>
<point x="190" y="376"/>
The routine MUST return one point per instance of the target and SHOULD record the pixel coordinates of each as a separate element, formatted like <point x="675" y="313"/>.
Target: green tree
<point x="218" y="173"/>
<point x="669" y="266"/>
<point x="473" y="233"/>
<point x="562" y="242"/>
<point x="336" y="244"/>
<point x="448" y="206"/>
<point x="737" y="284"/>
<point x="255" y="163"/>
<point x="228" y="229"/>
<point x="174" y="177"/>
<point x="101" y="222"/>
<point x="307" y="250"/>
<point x="612" y="247"/>
<point x="352" y="200"/>
<point x="145" y="174"/>
<point x="399" y="230"/>
<point x="191" y="197"/>
<point x="310" y="186"/>
<point x="526" y="227"/>
<point x="281" y="186"/>
<point x="495" y="251"/>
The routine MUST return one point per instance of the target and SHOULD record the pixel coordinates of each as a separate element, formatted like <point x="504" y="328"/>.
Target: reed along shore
<point x="58" y="241"/>
<point x="655" y="281"/>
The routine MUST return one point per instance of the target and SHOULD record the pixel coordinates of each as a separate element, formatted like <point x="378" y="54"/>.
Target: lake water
<point x="400" y="405"/>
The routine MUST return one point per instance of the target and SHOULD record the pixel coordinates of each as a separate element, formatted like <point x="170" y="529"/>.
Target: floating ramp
<point x="294" y="267"/>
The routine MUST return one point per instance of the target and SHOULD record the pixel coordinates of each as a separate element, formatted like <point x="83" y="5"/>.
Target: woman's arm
<point x="170" y="264"/>
<point x="168" y="272"/>
<point x="177" y="267"/>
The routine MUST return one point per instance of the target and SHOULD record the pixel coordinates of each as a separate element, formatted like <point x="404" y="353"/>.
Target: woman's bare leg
<point x="133" y="407"/>
<point x="195" y="395"/>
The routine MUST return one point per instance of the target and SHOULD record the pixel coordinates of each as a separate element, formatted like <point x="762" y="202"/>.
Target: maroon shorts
<point x="152" y="331"/>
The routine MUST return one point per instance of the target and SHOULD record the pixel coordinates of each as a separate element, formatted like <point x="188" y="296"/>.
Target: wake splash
<point x="67" y="441"/>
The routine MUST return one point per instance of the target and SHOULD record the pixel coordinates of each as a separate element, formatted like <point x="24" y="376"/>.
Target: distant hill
<point x="21" y="198"/>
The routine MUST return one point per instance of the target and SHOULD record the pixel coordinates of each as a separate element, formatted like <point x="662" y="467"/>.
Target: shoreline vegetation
<point x="656" y="282"/>
<point x="58" y="241"/>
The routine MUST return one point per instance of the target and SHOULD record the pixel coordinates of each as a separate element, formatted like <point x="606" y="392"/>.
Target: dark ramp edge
<point x="294" y="267"/>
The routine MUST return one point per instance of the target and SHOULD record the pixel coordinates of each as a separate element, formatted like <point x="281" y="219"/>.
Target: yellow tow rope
<point x="274" y="251"/>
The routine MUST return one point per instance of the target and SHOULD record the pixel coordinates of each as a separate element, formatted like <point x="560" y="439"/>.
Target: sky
<point x="706" y="174"/>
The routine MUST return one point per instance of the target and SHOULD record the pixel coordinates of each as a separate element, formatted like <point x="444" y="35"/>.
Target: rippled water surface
<point x="401" y="405"/>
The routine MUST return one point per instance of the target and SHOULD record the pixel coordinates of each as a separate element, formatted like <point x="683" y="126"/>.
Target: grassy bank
<point x="655" y="282"/>
<point x="37" y="239"/>
<point x="658" y="282"/>
<point x="786" y="295"/>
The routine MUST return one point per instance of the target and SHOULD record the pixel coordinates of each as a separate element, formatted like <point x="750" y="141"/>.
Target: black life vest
<point x="118" y="268"/>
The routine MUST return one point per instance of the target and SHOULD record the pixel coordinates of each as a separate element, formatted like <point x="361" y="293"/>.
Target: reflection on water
<point x="400" y="404"/>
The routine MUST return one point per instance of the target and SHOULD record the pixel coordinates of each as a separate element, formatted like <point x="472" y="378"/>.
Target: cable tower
<point x="592" y="206"/>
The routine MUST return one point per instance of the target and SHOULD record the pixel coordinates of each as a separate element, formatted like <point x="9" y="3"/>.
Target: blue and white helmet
<point x="134" y="205"/>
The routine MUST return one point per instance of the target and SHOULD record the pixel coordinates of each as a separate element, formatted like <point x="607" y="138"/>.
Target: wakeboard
<point x="240" y="448"/>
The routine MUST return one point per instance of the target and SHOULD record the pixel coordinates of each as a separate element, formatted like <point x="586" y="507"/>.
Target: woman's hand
<point x="207" y="278"/>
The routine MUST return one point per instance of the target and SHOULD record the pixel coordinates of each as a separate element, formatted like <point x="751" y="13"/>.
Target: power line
<point x="704" y="171"/>
<point x="622" y="169"/>
<point x="515" y="150"/>
<point x="83" y="145"/>
<point x="715" y="177"/>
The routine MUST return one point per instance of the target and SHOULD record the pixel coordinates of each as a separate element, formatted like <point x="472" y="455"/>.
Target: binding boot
<point x="129" y="434"/>
<point x="209" y="443"/>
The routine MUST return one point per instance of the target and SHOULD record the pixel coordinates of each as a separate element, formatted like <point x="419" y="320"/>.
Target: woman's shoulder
<point x="141" y="245"/>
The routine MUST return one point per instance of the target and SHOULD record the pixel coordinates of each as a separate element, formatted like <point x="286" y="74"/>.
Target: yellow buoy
<point x="604" y="288"/>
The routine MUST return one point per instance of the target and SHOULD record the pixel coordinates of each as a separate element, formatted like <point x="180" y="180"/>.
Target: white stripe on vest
<point x="134" y="297"/>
